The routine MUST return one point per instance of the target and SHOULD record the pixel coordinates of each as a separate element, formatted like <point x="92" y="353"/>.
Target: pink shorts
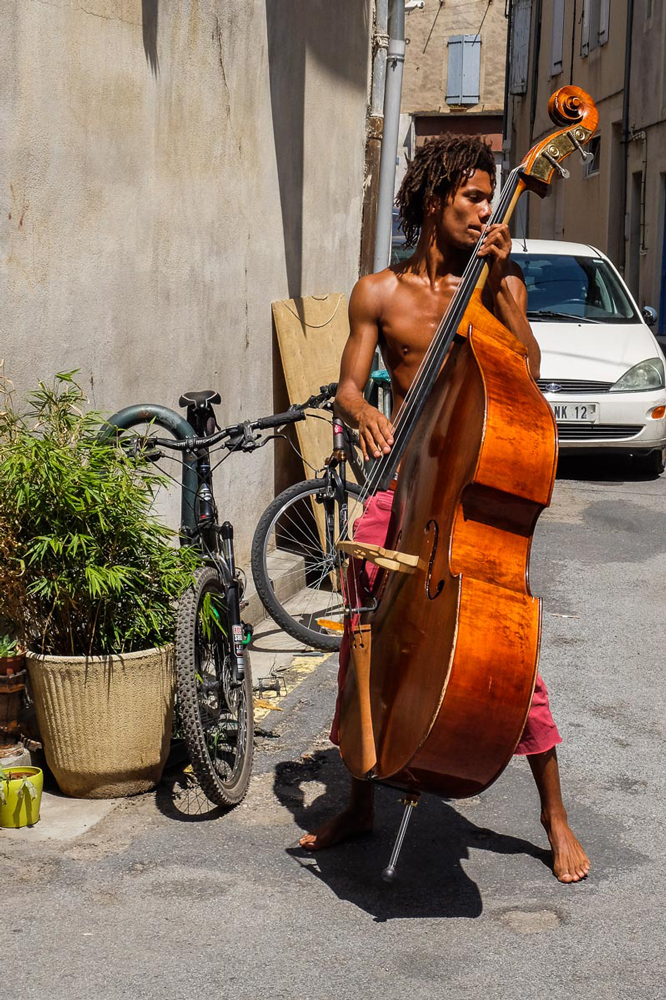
<point x="540" y="732"/>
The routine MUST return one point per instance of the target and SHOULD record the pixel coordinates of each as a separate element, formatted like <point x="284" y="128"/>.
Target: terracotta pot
<point x="105" y="721"/>
<point x="12" y="664"/>
<point x="12" y="687"/>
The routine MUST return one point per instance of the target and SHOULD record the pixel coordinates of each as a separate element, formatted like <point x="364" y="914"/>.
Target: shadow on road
<point x="431" y="880"/>
<point x="179" y="797"/>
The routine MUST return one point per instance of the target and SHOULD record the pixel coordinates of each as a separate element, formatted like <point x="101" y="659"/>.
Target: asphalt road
<point x="164" y="899"/>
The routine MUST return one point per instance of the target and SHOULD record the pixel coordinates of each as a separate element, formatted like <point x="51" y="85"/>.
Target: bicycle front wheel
<point x="295" y="564"/>
<point x="216" y="714"/>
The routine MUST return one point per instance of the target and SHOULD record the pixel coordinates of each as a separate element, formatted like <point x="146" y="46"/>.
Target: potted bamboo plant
<point x="89" y="581"/>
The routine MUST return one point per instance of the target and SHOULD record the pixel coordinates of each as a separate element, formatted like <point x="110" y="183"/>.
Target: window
<point x="557" y="38"/>
<point x="594" y="147"/>
<point x="520" y="46"/>
<point x="581" y="288"/>
<point x="594" y="25"/>
<point x="462" y="86"/>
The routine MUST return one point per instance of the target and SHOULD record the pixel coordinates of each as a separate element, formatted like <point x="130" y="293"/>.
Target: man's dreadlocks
<point x="439" y="167"/>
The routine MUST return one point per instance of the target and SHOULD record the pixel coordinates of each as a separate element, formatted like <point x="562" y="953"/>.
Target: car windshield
<point x="576" y="289"/>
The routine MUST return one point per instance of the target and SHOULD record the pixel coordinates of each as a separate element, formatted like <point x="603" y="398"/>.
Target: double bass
<point x="444" y="654"/>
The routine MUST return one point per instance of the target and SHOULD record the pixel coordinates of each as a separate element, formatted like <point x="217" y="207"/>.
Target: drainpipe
<point x="379" y="61"/>
<point x="507" y="123"/>
<point x="625" y="134"/>
<point x="536" y="51"/>
<point x="374" y="131"/>
<point x="392" y="95"/>
<point x="642" y="137"/>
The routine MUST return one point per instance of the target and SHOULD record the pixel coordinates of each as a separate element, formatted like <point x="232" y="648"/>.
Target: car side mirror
<point x="649" y="315"/>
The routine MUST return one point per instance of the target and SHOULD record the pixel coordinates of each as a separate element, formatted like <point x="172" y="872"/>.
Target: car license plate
<point x="587" y="413"/>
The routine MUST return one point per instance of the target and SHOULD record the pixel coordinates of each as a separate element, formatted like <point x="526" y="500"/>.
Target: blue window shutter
<point x="471" y="69"/>
<point x="455" y="74"/>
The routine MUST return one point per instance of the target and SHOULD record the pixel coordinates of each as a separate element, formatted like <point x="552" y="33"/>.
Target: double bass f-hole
<point x="433" y="524"/>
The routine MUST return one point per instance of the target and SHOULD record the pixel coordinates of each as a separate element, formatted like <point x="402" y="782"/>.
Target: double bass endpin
<point x="411" y="801"/>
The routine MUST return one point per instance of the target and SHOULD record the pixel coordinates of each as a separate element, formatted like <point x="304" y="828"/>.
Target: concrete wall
<point x="167" y="169"/>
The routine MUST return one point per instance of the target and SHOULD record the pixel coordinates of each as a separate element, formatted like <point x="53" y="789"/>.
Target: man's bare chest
<point x="409" y="322"/>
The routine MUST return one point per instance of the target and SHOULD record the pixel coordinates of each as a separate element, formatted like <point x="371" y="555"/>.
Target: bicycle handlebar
<point x="244" y="431"/>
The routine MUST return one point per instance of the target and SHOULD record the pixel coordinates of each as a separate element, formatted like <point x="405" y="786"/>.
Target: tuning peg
<point x="585" y="154"/>
<point x="562" y="171"/>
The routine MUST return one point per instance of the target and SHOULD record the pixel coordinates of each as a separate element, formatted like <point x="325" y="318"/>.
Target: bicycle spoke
<point x="282" y="535"/>
<point x="291" y="526"/>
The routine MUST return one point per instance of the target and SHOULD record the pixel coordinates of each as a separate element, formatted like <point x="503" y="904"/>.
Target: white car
<point x="602" y="370"/>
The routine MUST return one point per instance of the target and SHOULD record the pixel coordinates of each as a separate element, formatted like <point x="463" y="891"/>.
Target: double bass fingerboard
<point x="440" y="344"/>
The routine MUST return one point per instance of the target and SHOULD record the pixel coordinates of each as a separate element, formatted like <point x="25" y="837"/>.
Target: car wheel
<point x="652" y="464"/>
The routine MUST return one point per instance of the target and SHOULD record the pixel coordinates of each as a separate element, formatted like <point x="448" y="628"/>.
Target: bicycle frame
<point x="198" y="525"/>
<point x="153" y="413"/>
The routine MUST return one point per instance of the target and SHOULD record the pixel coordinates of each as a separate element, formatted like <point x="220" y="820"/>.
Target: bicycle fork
<point x="233" y="603"/>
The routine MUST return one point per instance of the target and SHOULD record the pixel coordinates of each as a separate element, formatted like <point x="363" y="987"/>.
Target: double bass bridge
<point x="390" y="559"/>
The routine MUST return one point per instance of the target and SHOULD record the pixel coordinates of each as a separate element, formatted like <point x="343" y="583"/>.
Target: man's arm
<point x="375" y="431"/>
<point x="506" y="285"/>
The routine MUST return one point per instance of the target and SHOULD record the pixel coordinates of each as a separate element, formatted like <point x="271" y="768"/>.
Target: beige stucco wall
<point x="588" y="209"/>
<point x="426" y="59"/>
<point x="648" y="114"/>
<point x="167" y="169"/>
<point x="577" y="209"/>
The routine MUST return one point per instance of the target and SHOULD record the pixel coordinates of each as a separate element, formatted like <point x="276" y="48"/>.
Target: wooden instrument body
<point x="451" y="686"/>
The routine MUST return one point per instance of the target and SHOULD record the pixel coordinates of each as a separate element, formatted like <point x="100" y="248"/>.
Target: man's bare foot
<point x="570" y="862"/>
<point x="350" y="823"/>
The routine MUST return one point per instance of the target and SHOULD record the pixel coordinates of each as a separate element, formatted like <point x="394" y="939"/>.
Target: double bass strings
<point x="425" y="377"/>
<point x="434" y="356"/>
<point x="441" y="342"/>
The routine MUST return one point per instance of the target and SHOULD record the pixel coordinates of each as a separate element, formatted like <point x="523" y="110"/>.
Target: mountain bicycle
<point x="213" y="670"/>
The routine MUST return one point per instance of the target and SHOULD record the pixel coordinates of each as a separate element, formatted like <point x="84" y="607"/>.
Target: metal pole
<point x="374" y="131"/>
<point x="392" y="96"/>
<point x="381" y="40"/>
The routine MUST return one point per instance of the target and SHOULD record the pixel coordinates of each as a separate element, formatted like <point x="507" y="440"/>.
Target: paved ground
<point x="164" y="899"/>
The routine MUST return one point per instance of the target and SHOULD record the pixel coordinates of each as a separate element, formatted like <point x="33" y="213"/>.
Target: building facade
<point x="167" y="170"/>
<point x="454" y="74"/>
<point x="616" y="51"/>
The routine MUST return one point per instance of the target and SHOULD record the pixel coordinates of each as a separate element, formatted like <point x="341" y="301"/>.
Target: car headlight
<point x="641" y="378"/>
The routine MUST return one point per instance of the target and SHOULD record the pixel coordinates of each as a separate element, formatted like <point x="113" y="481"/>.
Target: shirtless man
<point x="444" y="204"/>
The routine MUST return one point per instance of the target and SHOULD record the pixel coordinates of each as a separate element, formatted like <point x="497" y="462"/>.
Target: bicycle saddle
<point x="201" y="399"/>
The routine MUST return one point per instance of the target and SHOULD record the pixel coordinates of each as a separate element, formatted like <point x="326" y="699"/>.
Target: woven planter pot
<point x="105" y="721"/>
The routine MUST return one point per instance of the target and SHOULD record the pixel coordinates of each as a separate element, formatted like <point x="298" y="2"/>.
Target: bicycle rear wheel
<point x="216" y="716"/>
<point x="296" y="571"/>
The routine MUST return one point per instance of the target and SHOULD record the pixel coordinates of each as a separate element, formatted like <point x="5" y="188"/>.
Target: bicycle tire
<point x="303" y="542"/>
<point x="209" y="723"/>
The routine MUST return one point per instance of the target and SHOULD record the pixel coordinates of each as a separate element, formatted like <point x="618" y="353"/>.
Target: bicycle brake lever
<point x="244" y="439"/>
<point x="139" y="449"/>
